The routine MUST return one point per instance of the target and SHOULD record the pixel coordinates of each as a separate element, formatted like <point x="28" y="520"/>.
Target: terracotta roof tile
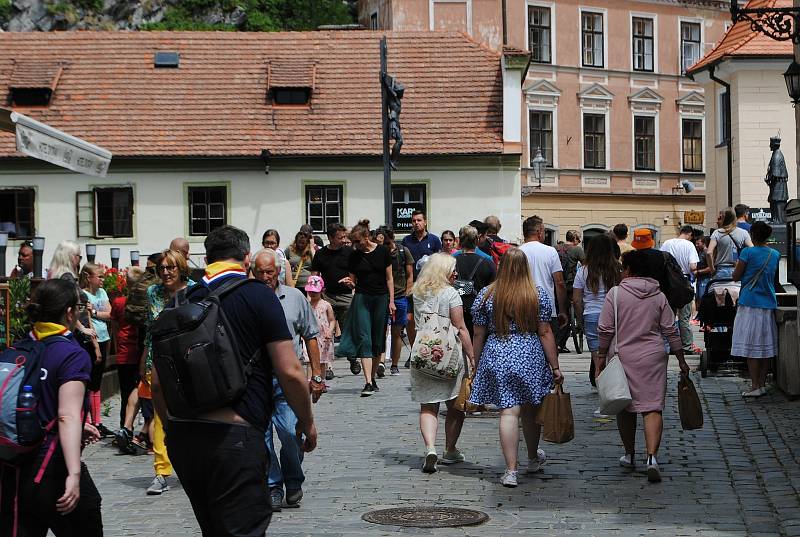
<point x="35" y="74"/>
<point x="741" y="41"/>
<point x="291" y="73"/>
<point x="216" y="103"/>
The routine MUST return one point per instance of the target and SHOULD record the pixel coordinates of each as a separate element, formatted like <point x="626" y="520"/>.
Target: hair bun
<point x="364" y="222"/>
<point x="33" y="310"/>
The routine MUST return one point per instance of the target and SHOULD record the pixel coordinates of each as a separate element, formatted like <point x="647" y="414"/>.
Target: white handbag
<point x="612" y="383"/>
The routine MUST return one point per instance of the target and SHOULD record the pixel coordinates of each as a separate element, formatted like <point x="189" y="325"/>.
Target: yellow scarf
<point x="221" y="269"/>
<point x="44" y="330"/>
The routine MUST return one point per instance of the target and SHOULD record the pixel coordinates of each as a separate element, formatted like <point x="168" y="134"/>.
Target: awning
<point x="42" y="141"/>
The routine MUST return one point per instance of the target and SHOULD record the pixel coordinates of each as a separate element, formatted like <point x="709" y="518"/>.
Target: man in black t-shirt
<point x="220" y="457"/>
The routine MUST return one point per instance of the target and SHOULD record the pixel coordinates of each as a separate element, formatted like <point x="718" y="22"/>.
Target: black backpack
<point x="197" y="356"/>
<point x="679" y="291"/>
<point x="466" y="286"/>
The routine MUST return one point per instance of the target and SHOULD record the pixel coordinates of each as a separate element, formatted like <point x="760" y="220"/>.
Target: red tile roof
<point x="742" y="42"/>
<point x="215" y="104"/>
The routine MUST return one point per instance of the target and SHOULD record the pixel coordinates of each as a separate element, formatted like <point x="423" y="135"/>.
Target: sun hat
<point x="642" y="239"/>
<point x="315" y="284"/>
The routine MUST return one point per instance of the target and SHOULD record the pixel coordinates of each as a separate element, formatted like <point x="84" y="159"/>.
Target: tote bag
<point x="436" y="351"/>
<point x="612" y="384"/>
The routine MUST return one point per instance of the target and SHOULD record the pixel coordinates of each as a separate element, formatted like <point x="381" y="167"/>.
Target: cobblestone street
<point x="739" y="475"/>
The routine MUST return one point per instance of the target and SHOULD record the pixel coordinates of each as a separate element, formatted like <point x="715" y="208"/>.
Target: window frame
<point x="723" y="117"/>
<point x="225" y="188"/>
<point x="605" y="134"/>
<point x="16" y="190"/>
<point x="603" y="37"/>
<point x="340" y="187"/>
<point x="700" y="25"/>
<point x="701" y="121"/>
<point x="551" y="155"/>
<point x="653" y="19"/>
<point x="550" y="29"/>
<point x="636" y="165"/>
<point x="86" y="201"/>
<point x="373" y="21"/>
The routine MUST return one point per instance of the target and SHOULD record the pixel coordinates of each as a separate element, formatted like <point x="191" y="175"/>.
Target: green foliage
<point x="5" y="9"/>
<point x="259" y="15"/>
<point x="19" y="293"/>
<point x="89" y="5"/>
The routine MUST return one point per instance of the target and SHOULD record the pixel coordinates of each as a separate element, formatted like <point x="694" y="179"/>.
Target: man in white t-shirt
<point x="545" y="269"/>
<point x="683" y="250"/>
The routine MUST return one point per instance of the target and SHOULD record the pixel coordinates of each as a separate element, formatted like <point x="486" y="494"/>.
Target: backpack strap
<point x="475" y="268"/>
<point x="231" y="285"/>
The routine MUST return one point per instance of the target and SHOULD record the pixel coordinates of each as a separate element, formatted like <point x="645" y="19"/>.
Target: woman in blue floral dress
<point x="515" y="344"/>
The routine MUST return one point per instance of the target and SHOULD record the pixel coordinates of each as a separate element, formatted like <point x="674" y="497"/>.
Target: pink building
<point x="604" y="98"/>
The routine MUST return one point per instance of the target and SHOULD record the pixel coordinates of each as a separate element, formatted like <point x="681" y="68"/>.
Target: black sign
<point x="763" y="214"/>
<point x="405" y="200"/>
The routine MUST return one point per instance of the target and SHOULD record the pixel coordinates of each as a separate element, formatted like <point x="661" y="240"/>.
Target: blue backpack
<point x="21" y="365"/>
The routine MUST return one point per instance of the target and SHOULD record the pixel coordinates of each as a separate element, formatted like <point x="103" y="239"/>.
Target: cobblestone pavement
<point x="737" y="476"/>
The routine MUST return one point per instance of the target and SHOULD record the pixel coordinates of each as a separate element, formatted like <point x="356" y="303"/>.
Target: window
<point x="405" y="200"/>
<point x="324" y="206"/>
<point x="592" y="39"/>
<point x="541" y="123"/>
<point x="105" y="212"/>
<point x="539" y="34"/>
<point x="16" y="212"/>
<point x="643" y="44"/>
<point x="692" y="135"/>
<point x="291" y="95"/>
<point x="373" y="21"/>
<point x="690" y="44"/>
<point x="724" y="117"/>
<point x="594" y="141"/>
<point x="208" y="209"/>
<point x="644" y="133"/>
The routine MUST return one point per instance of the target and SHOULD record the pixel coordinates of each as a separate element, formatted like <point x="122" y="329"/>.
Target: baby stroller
<point x="716" y="314"/>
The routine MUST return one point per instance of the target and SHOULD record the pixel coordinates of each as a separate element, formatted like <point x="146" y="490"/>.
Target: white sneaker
<point x="626" y="461"/>
<point x="431" y="459"/>
<point x="534" y="466"/>
<point x="158" y="486"/>
<point x="509" y="479"/>
<point x="653" y="472"/>
<point x="598" y="414"/>
<point x="452" y="457"/>
<point x="758" y="392"/>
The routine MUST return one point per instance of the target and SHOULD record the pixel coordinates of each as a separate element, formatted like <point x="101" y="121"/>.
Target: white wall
<point x="260" y="201"/>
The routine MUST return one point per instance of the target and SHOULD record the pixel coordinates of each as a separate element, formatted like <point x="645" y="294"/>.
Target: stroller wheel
<point x="704" y="364"/>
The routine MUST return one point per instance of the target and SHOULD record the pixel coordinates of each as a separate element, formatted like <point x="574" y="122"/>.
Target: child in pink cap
<point x="326" y="321"/>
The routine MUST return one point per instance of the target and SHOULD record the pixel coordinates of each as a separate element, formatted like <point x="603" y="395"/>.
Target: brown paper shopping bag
<point x="555" y="416"/>
<point x="689" y="407"/>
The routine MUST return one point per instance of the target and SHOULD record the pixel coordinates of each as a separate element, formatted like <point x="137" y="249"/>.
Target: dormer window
<point x="33" y="82"/>
<point x="291" y="82"/>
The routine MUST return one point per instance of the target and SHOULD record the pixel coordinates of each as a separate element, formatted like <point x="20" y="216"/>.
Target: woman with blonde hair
<point x="726" y="244"/>
<point x="66" y="260"/>
<point x="300" y="254"/>
<point x="434" y="292"/>
<point x="517" y="357"/>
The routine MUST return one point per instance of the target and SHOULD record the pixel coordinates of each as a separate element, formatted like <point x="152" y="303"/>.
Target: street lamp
<point x="114" y="257"/>
<point x="91" y="252"/>
<point x="38" y="251"/>
<point x="134" y="258"/>
<point x="792" y="78"/>
<point x="3" y="246"/>
<point x="539" y="163"/>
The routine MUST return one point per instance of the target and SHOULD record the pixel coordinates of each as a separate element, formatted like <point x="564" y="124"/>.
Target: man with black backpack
<point x="213" y="387"/>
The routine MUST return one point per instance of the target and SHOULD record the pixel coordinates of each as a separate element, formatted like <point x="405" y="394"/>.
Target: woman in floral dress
<point x="513" y="346"/>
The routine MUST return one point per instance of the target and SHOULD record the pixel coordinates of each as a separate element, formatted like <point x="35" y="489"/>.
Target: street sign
<point x="763" y="214"/>
<point x="694" y="217"/>
<point x="42" y="141"/>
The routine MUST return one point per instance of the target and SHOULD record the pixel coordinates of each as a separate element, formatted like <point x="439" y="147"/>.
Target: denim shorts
<point x="401" y="315"/>
<point x="590" y="331"/>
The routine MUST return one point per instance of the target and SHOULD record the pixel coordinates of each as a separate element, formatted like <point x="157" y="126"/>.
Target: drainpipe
<point x="727" y="141"/>
<point x="505" y="24"/>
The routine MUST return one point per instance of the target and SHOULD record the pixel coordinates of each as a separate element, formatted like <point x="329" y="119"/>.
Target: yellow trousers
<point x="161" y="463"/>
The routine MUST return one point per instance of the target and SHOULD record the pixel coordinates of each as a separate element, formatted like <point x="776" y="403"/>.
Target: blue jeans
<point x="289" y="471"/>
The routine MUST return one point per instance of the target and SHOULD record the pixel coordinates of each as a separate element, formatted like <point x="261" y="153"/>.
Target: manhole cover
<point x="426" y="517"/>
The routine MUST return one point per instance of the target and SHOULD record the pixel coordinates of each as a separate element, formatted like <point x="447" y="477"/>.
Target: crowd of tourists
<point x="465" y="305"/>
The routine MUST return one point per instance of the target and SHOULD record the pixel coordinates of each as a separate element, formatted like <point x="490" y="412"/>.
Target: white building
<point x="196" y="120"/>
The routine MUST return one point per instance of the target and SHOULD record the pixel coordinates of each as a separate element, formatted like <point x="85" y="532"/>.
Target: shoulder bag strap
<point x="757" y="276"/>
<point x="475" y="268"/>
<point x="616" y="322"/>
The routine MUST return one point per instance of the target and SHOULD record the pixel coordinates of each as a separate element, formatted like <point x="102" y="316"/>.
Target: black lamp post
<point x="38" y="251"/>
<point x="114" y="257"/>
<point x="134" y="258"/>
<point x="3" y="246"/>
<point x="792" y="78"/>
<point x="91" y="252"/>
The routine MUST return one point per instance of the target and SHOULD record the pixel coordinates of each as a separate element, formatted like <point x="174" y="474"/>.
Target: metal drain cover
<point x="426" y="517"/>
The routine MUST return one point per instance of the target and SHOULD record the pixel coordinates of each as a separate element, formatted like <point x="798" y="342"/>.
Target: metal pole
<point x="387" y="170"/>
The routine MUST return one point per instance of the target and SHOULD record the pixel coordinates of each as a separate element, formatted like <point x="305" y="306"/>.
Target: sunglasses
<point x="168" y="268"/>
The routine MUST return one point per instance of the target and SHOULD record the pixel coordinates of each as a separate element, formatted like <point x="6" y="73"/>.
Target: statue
<point x="394" y="94"/>
<point x="776" y="178"/>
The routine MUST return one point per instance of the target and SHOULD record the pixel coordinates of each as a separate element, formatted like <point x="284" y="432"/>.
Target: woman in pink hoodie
<point x="645" y="319"/>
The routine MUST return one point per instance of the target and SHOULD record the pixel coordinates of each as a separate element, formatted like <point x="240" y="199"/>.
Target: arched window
<point x="592" y="230"/>
<point x="550" y="235"/>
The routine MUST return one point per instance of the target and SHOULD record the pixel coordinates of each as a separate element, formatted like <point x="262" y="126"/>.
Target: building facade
<point x="256" y="130"/>
<point x="605" y="99"/>
<point x="744" y="74"/>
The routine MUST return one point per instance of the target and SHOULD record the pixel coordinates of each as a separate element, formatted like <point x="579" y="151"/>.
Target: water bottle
<point x="29" y="430"/>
